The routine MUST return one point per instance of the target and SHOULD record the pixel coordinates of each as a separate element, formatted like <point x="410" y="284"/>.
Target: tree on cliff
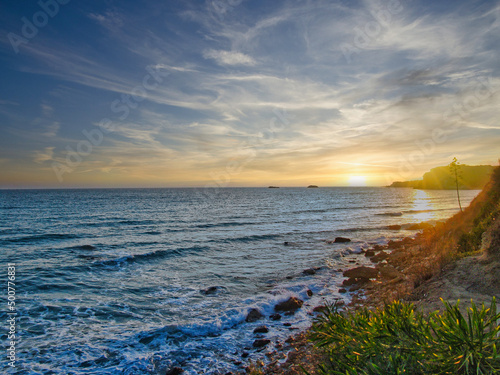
<point x="455" y="174"/>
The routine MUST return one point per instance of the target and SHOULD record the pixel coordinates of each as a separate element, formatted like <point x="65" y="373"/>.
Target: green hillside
<point x="471" y="177"/>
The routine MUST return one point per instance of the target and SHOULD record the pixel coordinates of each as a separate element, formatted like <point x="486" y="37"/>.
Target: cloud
<point x="44" y="155"/>
<point x="229" y="57"/>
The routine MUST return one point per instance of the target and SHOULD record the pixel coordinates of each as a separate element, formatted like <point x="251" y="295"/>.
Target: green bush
<point x="399" y="340"/>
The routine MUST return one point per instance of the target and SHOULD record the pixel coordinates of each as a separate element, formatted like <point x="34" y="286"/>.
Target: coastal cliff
<point x="440" y="178"/>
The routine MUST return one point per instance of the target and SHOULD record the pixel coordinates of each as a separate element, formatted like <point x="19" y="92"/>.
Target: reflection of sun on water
<point x="422" y="202"/>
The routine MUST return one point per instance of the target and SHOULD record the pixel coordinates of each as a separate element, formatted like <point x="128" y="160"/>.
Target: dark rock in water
<point x="209" y="290"/>
<point x="319" y="309"/>
<point x="174" y="371"/>
<point x="419" y="226"/>
<point x="287" y="324"/>
<point x="349" y="282"/>
<point x="342" y="290"/>
<point x="291" y="304"/>
<point x="253" y="316"/>
<point x="286" y="243"/>
<point x="146" y="340"/>
<point x="275" y="316"/>
<point x="309" y="293"/>
<point x="273" y="187"/>
<point x="379" y="257"/>
<point x="309" y="271"/>
<point x="312" y="187"/>
<point x="86" y="247"/>
<point x="341" y="240"/>
<point x="369" y="253"/>
<point x="261" y="329"/>
<point x="260" y="343"/>
<point x="394" y="227"/>
<point x="244" y="355"/>
<point x="362" y="272"/>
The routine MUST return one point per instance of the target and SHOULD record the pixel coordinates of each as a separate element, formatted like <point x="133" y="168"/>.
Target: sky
<point x="245" y="92"/>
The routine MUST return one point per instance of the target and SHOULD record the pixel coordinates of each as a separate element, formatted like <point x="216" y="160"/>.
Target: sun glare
<point x="357" y="181"/>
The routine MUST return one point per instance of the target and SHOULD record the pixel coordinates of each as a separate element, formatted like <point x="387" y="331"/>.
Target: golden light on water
<point x="422" y="205"/>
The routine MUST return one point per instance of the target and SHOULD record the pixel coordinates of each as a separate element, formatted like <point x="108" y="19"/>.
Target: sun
<point x="357" y="181"/>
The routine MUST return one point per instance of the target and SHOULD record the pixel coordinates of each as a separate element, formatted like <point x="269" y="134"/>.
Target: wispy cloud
<point x="229" y="57"/>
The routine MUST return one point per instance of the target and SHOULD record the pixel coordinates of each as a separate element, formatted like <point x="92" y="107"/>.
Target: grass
<point x="397" y="339"/>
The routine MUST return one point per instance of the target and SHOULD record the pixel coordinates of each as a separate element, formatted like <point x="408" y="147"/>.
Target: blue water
<point x="108" y="280"/>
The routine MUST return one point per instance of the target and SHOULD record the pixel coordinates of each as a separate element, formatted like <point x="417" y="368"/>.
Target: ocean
<point x="136" y="281"/>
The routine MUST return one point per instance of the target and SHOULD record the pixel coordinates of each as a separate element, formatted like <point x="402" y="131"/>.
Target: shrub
<point x="400" y="340"/>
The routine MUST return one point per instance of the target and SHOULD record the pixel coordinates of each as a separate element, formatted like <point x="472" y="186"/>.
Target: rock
<point x="209" y="290"/>
<point x="287" y="324"/>
<point x="341" y="239"/>
<point x="312" y="187"/>
<point x="309" y="293"/>
<point x="261" y="329"/>
<point x="378" y="247"/>
<point x="350" y="281"/>
<point x="369" y="253"/>
<point x="342" y="290"/>
<point x="420" y="226"/>
<point x="309" y="271"/>
<point x="319" y="309"/>
<point x="244" y="355"/>
<point x="379" y="257"/>
<point x="174" y="371"/>
<point x="290" y="304"/>
<point x="86" y="247"/>
<point x="362" y="272"/>
<point x="260" y="343"/>
<point x="253" y="315"/>
<point x="389" y="272"/>
<point x="394" y="227"/>
<point x="275" y="316"/>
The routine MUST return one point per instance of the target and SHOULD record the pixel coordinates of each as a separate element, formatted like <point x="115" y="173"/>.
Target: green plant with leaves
<point x="400" y="340"/>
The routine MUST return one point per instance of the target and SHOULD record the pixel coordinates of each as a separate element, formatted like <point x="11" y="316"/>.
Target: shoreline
<point x="420" y="270"/>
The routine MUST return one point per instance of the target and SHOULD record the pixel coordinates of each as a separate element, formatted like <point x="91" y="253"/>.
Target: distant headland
<point x="440" y="178"/>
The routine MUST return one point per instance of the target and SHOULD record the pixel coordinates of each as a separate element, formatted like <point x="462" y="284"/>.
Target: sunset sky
<point x="245" y="93"/>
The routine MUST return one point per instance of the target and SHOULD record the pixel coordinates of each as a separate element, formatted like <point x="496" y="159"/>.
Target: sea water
<point x="111" y="281"/>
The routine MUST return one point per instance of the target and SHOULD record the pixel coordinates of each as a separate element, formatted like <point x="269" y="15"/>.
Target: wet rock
<point x="394" y="227"/>
<point x="287" y="324"/>
<point x="261" y="329"/>
<point x="362" y="273"/>
<point x="260" y="343"/>
<point x="210" y="290"/>
<point x="275" y="316"/>
<point x="174" y="371"/>
<point x="309" y="293"/>
<point x="146" y="340"/>
<point x="379" y="257"/>
<point x="419" y="226"/>
<point x="350" y="281"/>
<point x="369" y="253"/>
<point x="244" y="355"/>
<point x="253" y="315"/>
<point x="291" y="304"/>
<point x="342" y="290"/>
<point x="86" y="247"/>
<point x="309" y="271"/>
<point x="319" y="309"/>
<point x="341" y="240"/>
